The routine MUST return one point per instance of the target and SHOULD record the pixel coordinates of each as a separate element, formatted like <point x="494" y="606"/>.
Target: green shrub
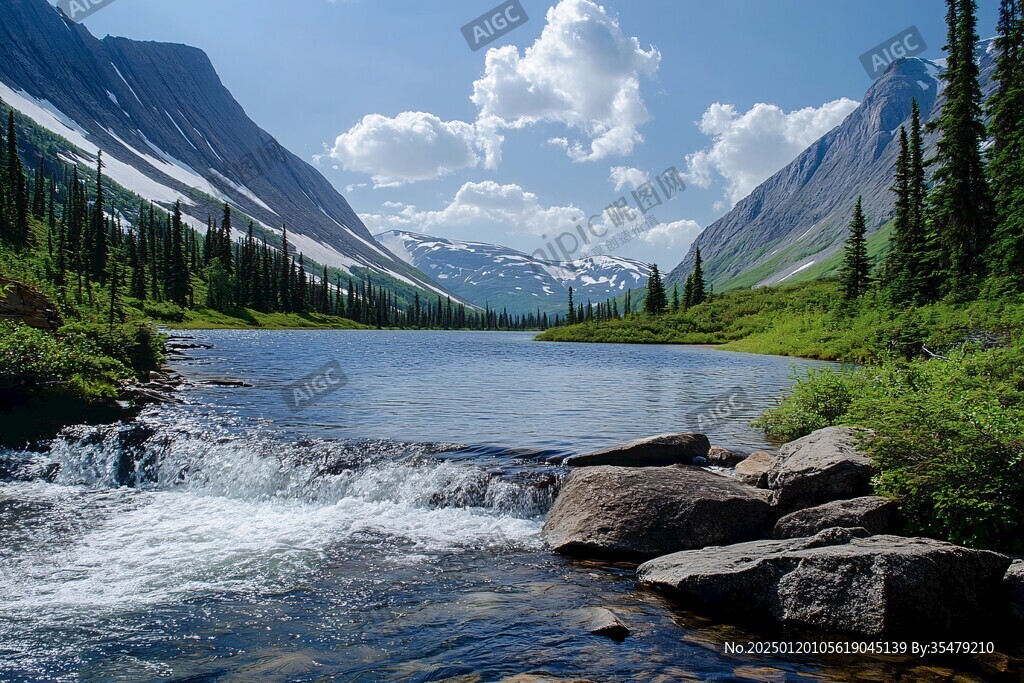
<point x="36" y="358"/>
<point x="949" y="437"/>
<point x="820" y="399"/>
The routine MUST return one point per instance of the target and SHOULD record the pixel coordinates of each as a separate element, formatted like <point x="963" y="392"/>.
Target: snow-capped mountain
<point x="169" y="130"/>
<point x="500" y="277"/>
<point x="795" y="223"/>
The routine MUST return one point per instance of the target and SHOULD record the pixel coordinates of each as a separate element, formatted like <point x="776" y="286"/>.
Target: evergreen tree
<point x="961" y="208"/>
<point x="570" y="314"/>
<point x="17" y="192"/>
<point x="655" y="302"/>
<point x="675" y="297"/>
<point x="688" y="292"/>
<point x="698" y="287"/>
<point x="855" y="270"/>
<point x="1006" y="154"/>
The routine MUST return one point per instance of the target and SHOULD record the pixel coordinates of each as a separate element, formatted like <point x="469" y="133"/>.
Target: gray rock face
<point x="823" y="466"/>
<point x="636" y="512"/>
<point x="1013" y="583"/>
<point x="876" y="515"/>
<point x="753" y="470"/>
<point x="799" y="215"/>
<point x="841" y="581"/>
<point x="167" y="101"/>
<point x="656" y="451"/>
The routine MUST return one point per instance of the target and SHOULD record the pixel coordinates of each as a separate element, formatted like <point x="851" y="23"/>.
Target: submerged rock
<point x="877" y="515"/>
<point x="753" y="470"/>
<point x="664" y="449"/>
<point x="823" y="466"/>
<point x="841" y="580"/>
<point x="623" y="511"/>
<point x="603" y="622"/>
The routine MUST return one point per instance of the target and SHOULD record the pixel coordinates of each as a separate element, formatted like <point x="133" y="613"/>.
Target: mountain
<point x="169" y="130"/>
<point x="500" y="277"/>
<point x="794" y="224"/>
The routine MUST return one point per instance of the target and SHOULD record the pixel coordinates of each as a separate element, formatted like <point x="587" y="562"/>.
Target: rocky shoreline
<point x="795" y="537"/>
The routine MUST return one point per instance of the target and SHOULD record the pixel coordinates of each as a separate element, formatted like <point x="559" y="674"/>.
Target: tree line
<point x="152" y="256"/>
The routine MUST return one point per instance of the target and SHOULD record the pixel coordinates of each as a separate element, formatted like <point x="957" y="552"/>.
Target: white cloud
<point x="627" y="176"/>
<point x="582" y="72"/>
<point x="679" y="233"/>
<point x="412" y="146"/>
<point x="748" y="148"/>
<point x="486" y="208"/>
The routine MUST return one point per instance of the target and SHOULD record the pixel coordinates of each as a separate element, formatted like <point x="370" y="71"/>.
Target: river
<point x="388" y="530"/>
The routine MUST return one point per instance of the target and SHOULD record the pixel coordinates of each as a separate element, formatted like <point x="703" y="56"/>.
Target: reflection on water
<point x="391" y="532"/>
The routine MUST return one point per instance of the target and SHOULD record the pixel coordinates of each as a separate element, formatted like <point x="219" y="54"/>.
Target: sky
<point x="539" y="132"/>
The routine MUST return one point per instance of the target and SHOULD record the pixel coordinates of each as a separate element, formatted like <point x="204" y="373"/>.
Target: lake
<point x="388" y="530"/>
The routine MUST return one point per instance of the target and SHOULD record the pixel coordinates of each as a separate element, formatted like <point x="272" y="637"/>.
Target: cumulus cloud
<point x="748" y="148"/>
<point x="627" y="176"/>
<point x="412" y="146"/>
<point x="486" y="208"/>
<point x="679" y="233"/>
<point x="583" y="72"/>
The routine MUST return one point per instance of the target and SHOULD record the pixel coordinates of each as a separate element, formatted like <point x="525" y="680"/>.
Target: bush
<point x="949" y="437"/>
<point x="34" y="358"/>
<point x="821" y="399"/>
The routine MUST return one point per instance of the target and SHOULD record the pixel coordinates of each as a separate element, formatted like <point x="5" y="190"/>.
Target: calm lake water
<point x="389" y="531"/>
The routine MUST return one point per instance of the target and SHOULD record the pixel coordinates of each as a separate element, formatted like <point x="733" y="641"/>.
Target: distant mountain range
<point x="169" y="130"/>
<point x="487" y="274"/>
<point x="794" y="224"/>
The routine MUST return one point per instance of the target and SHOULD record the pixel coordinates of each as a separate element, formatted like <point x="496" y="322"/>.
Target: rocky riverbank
<point x="795" y="537"/>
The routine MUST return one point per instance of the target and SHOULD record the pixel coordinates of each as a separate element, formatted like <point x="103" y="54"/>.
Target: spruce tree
<point x="855" y="270"/>
<point x="570" y="314"/>
<point x="17" y="192"/>
<point x="655" y="303"/>
<point x="699" y="288"/>
<point x="675" y="297"/>
<point x="688" y="292"/>
<point x="1006" y="154"/>
<point x="961" y="207"/>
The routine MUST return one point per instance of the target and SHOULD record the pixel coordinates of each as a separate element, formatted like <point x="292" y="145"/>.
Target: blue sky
<point x="381" y="92"/>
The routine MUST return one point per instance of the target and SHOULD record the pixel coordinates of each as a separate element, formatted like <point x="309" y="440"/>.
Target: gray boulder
<point x="1013" y="582"/>
<point x="656" y="451"/>
<point x="823" y="466"/>
<point x="753" y="470"/>
<point x="877" y="515"/>
<point x="841" y="580"/>
<point x="720" y="456"/>
<point x="643" y="512"/>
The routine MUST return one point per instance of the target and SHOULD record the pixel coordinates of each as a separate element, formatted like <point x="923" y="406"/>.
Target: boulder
<point x="877" y="515"/>
<point x="23" y="304"/>
<point x="753" y="470"/>
<point x="720" y="456"/>
<point x="823" y="466"/>
<point x="641" y="512"/>
<point x="841" y="580"/>
<point x="656" y="451"/>
<point x="1013" y="583"/>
